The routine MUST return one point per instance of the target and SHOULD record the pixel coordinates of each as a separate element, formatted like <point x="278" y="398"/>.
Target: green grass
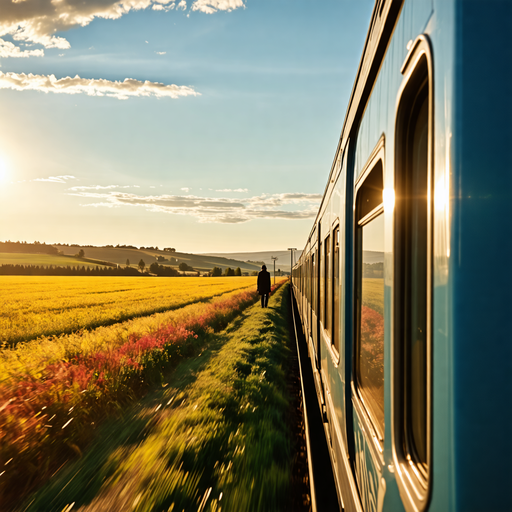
<point x="8" y="258"/>
<point x="214" y="436"/>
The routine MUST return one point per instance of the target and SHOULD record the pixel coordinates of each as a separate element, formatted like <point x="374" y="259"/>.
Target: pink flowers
<point x="36" y="410"/>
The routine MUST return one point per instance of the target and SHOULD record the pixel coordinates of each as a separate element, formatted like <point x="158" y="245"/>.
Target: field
<point x="47" y="305"/>
<point x="55" y="389"/>
<point x="214" y="436"/>
<point x="373" y="294"/>
<point x="45" y="260"/>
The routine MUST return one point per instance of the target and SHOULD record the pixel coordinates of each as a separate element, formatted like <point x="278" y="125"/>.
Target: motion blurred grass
<point x="214" y="437"/>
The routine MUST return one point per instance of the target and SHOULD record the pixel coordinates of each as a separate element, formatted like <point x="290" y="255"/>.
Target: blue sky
<point x="206" y="125"/>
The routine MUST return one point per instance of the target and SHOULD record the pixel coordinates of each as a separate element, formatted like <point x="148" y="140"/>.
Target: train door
<point x="367" y="384"/>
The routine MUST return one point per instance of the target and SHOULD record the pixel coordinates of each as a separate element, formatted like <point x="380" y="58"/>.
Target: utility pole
<point x="274" y="258"/>
<point x="292" y="251"/>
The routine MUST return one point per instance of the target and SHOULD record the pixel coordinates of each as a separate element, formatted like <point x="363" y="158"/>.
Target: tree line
<point x="26" y="248"/>
<point x="217" y="272"/>
<point x="51" y="270"/>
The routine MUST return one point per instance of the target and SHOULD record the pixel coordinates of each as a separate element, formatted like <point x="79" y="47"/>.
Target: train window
<point x="308" y="279"/>
<point x="313" y="282"/>
<point x="327" y="286"/>
<point x="413" y="231"/>
<point x="411" y="340"/>
<point x="336" y="288"/>
<point x="321" y="262"/>
<point x="369" y="353"/>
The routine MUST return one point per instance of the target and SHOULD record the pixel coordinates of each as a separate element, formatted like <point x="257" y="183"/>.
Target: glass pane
<point x="336" y="285"/>
<point x="328" y="291"/>
<point x="371" y="328"/>
<point x="321" y="262"/>
<point x="417" y="371"/>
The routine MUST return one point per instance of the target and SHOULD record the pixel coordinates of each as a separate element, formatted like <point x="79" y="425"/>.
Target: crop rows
<point x="55" y="389"/>
<point x="45" y="306"/>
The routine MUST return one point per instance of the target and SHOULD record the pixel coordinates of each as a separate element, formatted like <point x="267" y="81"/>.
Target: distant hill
<point x="247" y="261"/>
<point x="373" y="256"/>
<point x="282" y="262"/>
<point x="120" y="255"/>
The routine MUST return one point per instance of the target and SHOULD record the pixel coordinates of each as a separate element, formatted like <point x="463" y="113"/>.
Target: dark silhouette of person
<point x="263" y="286"/>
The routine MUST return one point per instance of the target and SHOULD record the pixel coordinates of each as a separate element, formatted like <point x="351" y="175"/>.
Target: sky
<point x="203" y="125"/>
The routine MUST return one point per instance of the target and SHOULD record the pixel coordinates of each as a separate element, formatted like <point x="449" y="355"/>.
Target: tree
<point x="229" y="272"/>
<point x="216" y="272"/>
<point x="81" y="253"/>
<point x="184" y="267"/>
<point x="238" y="271"/>
<point x="141" y="265"/>
<point x="127" y="262"/>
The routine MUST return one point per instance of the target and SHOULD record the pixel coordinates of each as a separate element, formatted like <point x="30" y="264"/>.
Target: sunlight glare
<point x="3" y="170"/>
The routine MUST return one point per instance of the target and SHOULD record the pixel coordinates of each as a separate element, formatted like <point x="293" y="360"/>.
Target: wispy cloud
<point x="100" y="187"/>
<point x="211" y="6"/>
<point x="92" y="87"/>
<point x="160" y="53"/>
<point x="232" y="190"/>
<point x="37" y="22"/>
<point x="290" y="206"/>
<point x="56" y="179"/>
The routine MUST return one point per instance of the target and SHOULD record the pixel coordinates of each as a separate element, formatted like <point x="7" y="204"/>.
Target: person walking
<point x="263" y="285"/>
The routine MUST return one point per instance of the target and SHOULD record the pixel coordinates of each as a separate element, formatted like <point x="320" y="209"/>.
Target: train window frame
<point x="336" y="280"/>
<point x="366" y="412"/>
<point x="327" y="306"/>
<point x="414" y="478"/>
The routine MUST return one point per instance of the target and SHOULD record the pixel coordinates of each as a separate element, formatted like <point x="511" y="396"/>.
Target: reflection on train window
<point x="313" y="283"/>
<point x="369" y="348"/>
<point x="321" y="262"/>
<point x="336" y="289"/>
<point x="370" y="367"/>
<point x="328" y="290"/>
<point x="412" y="278"/>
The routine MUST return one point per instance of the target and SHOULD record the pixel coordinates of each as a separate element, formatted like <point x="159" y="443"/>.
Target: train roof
<point x="384" y="17"/>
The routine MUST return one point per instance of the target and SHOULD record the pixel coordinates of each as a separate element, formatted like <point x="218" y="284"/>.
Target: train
<point x="404" y="285"/>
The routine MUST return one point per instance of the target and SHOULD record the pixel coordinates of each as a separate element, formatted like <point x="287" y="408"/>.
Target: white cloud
<point x="56" y="179"/>
<point x="290" y="206"/>
<point x="8" y="49"/>
<point x="211" y="6"/>
<point x="99" y="187"/>
<point x="232" y="190"/>
<point x="38" y="22"/>
<point x="92" y="87"/>
<point x="160" y="53"/>
<point x="186" y="189"/>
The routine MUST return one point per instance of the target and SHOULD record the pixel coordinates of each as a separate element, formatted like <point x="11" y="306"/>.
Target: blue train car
<point x="404" y="285"/>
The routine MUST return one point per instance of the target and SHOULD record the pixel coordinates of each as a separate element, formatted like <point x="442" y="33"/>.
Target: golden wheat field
<point x="54" y="305"/>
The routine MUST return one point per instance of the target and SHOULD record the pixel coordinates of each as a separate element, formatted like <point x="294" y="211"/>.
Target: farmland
<point x="55" y="388"/>
<point x="47" y="305"/>
<point x="42" y="260"/>
<point x="215" y="433"/>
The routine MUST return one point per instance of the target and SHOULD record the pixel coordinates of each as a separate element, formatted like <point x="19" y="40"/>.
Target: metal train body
<point x="404" y="285"/>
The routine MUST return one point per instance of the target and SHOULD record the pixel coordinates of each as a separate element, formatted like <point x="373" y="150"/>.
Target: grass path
<point x="214" y="436"/>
